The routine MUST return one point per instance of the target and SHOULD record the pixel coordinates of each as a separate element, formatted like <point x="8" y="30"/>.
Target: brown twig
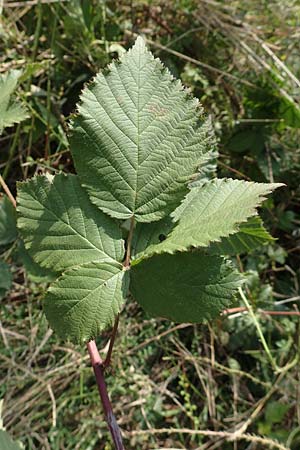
<point x="261" y="311"/>
<point x="7" y="191"/>
<point x="30" y="3"/>
<point x="229" y="436"/>
<point x="98" y="367"/>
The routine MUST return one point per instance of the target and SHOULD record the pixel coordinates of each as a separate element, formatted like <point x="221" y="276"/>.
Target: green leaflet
<point x="8" y="229"/>
<point x="63" y="230"/>
<point x="11" y="112"/>
<point x="85" y="299"/>
<point x="143" y="136"/>
<point x="185" y="287"/>
<point x="60" y="226"/>
<point x="210" y="212"/>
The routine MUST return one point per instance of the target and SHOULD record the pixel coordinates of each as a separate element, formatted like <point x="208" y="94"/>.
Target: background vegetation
<point x="237" y="378"/>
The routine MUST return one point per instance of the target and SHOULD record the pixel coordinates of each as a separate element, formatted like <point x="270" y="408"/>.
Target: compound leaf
<point x="60" y="226"/>
<point x="143" y="136"/>
<point x="85" y="299"/>
<point x="185" y="287"/>
<point x="210" y="212"/>
<point x="11" y="111"/>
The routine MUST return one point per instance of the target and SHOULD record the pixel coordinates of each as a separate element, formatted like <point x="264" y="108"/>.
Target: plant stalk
<point x="98" y="367"/>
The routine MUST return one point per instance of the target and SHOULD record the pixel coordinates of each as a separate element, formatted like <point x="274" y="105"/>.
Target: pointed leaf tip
<point x="140" y="43"/>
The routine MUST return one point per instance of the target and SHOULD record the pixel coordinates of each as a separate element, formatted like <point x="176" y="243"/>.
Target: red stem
<point x="98" y="367"/>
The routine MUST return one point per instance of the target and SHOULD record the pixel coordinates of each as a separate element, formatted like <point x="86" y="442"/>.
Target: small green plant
<point x="145" y="158"/>
<point x="11" y="111"/>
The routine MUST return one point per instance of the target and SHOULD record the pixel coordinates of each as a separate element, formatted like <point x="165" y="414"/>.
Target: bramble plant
<point x="145" y="158"/>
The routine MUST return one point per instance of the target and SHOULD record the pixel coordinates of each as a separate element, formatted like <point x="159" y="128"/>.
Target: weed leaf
<point x="11" y="111"/>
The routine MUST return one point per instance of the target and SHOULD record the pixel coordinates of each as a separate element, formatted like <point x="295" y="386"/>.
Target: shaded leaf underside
<point x="185" y="287"/>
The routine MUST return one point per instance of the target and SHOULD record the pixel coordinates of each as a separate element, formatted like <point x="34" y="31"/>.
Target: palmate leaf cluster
<point x="144" y="154"/>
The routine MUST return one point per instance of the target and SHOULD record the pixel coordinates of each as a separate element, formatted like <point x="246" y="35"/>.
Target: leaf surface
<point x="85" y="300"/>
<point x="185" y="287"/>
<point x="210" y="212"/>
<point x="61" y="228"/>
<point x="34" y="271"/>
<point x="143" y="136"/>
